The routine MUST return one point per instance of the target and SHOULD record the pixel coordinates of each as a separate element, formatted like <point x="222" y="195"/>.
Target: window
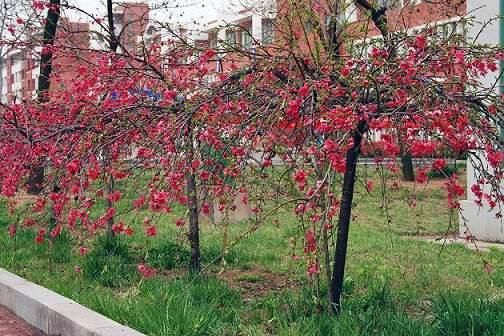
<point x="17" y="77"/>
<point x="218" y="64"/>
<point x="454" y="31"/>
<point x="347" y="14"/>
<point x="362" y="48"/>
<point x="246" y="40"/>
<point x="267" y="32"/>
<point x="213" y="42"/>
<point x="351" y="12"/>
<point x="451" y="29"/>
<point x="231" y="37"/>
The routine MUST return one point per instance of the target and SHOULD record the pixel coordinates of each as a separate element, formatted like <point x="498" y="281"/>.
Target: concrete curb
<point x="54" y="314"/>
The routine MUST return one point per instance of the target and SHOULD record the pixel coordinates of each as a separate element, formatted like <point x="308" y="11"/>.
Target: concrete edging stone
<point x="54" y="314"/>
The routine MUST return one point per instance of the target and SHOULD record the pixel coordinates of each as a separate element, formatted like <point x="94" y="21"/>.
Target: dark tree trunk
<point x="46" y="58"/>
<point x="193" y="223"/>
<point x="408" y="170"/>
<point x="106" y="152"/>
<point x="110" y="190"/>
<point x="407" y="167"/>
<point x="192" y="199"/>
<point x="113" y="40"/>
<point x="36" y="179"/>
<point x="344" y="219"/>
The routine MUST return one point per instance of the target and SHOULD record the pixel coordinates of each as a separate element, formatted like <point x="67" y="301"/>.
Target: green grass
<point x="393" y="286"/>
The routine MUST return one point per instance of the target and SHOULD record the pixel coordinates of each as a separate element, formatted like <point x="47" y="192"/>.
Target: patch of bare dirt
<point x="21" y="198"/>
<point x="250" y="283"/>
<point x="256" y="283"/>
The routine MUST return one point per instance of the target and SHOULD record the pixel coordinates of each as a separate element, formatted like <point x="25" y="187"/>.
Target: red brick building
<point x="21" y="68"/>
<point x="251" y="28"/>
<point x="131" y="20"/>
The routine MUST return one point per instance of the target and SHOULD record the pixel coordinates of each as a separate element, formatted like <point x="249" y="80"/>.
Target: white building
<point x="19" y="75"/>
<point x="481" y="222"/>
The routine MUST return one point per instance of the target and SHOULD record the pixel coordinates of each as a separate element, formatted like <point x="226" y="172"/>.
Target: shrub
<point x="110" y="263"/>
<point x="459" y="314"/>
<point x="447" y="171"/>
<point x="62" y="248"/>
<point x="168" y="255"/>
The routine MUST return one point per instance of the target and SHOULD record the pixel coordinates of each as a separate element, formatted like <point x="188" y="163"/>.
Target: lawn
<point x="394" y="285"/>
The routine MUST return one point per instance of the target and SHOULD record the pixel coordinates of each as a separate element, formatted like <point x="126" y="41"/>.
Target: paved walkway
<point x="451" y="239"/>
<point x="11" y="325"/>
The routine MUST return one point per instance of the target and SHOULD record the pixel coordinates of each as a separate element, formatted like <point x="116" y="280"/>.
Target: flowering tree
<point x="322" y="102"/>
<point x="312" y="99"/>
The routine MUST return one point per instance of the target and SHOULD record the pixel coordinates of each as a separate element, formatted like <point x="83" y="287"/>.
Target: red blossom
<point x="313" y="268"/>
<point x="12" y="230"/>
<point x="40" y="237"/>
<point x="439" y="164"/>
<point x="495" y="158"/>
<point x="205" y="208"/>
<point x="73" y="167"/>
<point x="56" y="231"/>
<point x="310" y="242"/>
<point x="139" y="202"/>
<point x="114" y="196"/>
<point x="146" y="271"/>
<point x="118" y="228"/>
<point x="300" y="177"/>
<point x="421" y="176"/>
<point x="128" y="231"/>
<point x="83" y="250"/>
<point x="110" y="213"/>
<point x="345" y="72"/>
<point x="119" y="175"/>
<point x="151" y="231"/>
<point x="304" y="91"/>
<point x="369" y="186"/>
<point x="421" y="41"/>
<point x="180" y="222"/>
<point x="93" y="173"/>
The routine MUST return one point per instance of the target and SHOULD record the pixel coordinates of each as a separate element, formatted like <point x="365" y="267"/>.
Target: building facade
<point x="250" y="28"/>
<point x="75" y="45"/>
<point x="21" y="65"/>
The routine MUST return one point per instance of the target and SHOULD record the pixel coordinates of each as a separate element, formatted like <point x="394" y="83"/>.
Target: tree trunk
<point x="194" y="266"/>
<point x="408" y="170"/>
<point x="106" y="154"/>
<point x="192" y="199"/>
<point x="36" y="179"/>
<point x="345" y="216"/>
<point x="110" y="190"/>
<point x="407" y="167"/>
<point x="113" y="40"/>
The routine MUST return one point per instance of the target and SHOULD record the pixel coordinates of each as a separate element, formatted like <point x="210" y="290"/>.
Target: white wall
<point x="481" y="222"/>
<point x="485" y="12"/>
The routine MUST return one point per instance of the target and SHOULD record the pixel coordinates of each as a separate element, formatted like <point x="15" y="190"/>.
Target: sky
<point x="175" y="11"/>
